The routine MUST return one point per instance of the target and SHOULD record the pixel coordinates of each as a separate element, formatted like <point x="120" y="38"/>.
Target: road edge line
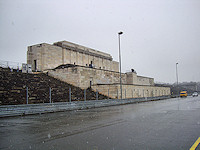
<point x="194" y="146"/>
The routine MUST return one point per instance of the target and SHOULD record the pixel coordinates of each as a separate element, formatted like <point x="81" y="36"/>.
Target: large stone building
<point x="46" y="56"/>
<point x="85" y="67"/>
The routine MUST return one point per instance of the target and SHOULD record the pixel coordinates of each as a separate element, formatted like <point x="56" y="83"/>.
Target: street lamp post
<point x="177" y="76"/>
<point x="120" y="64"/>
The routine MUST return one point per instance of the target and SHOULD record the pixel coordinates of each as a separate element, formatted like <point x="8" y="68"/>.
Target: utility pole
<point x="120" y="33"/>
<point x="177" y="76"/>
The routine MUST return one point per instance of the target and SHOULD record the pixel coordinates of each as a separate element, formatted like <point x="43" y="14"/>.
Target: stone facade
<point x="131" y="91"/>
<point x="133" y="78"/>
<point x="46" y="56"/>
<point x="84" y="77"/>
<point x="107" y="82"/>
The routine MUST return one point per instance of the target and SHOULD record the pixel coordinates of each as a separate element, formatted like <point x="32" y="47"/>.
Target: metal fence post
<point x="26" y="95"/>
<point x="49" y="94"/>
<point x="96" y="94"/>
<point x="117" y="94"/>
<point x="84" y="94"/>
<point x="125" y="94"/>
<point x="70" y="95"/>
<point x="143" y="92"/>
<point x="132" y="93"/>
<point x="18" y="67"/>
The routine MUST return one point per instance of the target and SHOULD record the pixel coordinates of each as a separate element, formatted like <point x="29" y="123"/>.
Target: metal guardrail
<point x="17" y="110"/>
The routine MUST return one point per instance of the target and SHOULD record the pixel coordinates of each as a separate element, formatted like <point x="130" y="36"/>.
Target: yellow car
<point x="183" y="94"/>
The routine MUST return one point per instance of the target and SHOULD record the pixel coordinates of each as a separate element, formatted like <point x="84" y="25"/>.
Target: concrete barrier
<point x="30" y="109"/>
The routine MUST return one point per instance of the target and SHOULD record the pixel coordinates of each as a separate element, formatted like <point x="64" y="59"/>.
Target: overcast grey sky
<point x="157" y="33"/>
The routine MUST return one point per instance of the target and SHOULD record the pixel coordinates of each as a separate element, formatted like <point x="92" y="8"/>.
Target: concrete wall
<point x="70" y="75"/>
<point x="81" y="76"/>
<point x="133" y="78"/>
<point x="107" y="82"/>
<point x="83" y="49"/>
<point x="131" y="91"/>
<point x="48" y="56"/>
<point x="45" y="56"/>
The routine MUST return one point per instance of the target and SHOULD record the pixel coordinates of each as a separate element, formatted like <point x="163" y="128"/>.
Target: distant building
<point x="85" y="67"/>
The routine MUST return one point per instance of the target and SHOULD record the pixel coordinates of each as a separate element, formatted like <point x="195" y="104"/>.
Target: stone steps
<point x="13" y="89"/>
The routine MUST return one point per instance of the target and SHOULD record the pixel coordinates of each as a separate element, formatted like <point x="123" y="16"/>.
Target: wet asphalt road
<point x="172" y="124"/>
